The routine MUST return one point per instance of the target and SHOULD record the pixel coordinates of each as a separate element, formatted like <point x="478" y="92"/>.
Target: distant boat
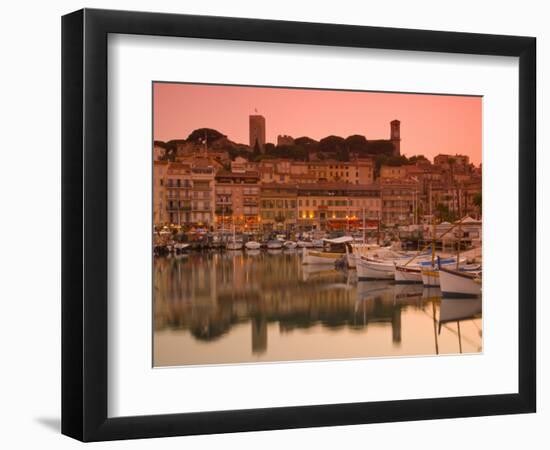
<point x="274" y="244"/>
<point x="318" y="243"/>
<point x="457" y="283"/>
<point x="252" y="245"/>
<point x="290" y="244"/>
<point x="234" y="243"/>
<point x="180" y="247"/>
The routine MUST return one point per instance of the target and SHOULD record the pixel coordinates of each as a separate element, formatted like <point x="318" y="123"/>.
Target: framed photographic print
<point x="273" y="224"/>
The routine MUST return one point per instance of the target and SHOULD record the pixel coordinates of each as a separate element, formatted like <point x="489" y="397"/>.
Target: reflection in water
<point x="212" y="308"/>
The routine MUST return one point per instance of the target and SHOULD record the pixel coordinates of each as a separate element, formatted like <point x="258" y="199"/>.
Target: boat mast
<point x="363" y="224"/>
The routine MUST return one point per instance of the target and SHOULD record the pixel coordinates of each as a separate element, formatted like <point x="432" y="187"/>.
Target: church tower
<point x="395" y="136"/>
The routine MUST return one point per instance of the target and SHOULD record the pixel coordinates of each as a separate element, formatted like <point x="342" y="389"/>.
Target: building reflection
<point x="209" y="293"/>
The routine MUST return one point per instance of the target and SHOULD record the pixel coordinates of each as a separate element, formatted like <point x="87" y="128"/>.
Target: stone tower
<point x="395" y="136"/>
<point x="257" y="131"/>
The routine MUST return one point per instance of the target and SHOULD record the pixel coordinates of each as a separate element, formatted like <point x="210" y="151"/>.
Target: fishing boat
<point x="406" y="274"/>
<point x="357" y="249"/>
<point x="375" y="269"/>
<point x="252" y="245"/>
<point x="336" y="250"/>
<point x="274" y="244"/>
<point x="459" y="283"/>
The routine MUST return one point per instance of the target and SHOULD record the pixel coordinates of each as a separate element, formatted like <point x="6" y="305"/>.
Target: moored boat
<point x="234" y="245"/>
<point x="290" y="244"/>
<point x="408" y="274"/>
<point x="319" y="257"/>
<point x="336" y="251"/>
<point x="458" y="283"/>
<point x="274" y="244"/>
<point x="252" y="245"/>
<point x="370" y="269"/>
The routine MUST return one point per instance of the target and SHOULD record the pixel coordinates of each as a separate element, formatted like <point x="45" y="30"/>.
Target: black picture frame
<point x="84" y="224"/>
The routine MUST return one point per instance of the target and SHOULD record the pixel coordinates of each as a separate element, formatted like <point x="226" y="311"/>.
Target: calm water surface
<point x="253" y="306"/>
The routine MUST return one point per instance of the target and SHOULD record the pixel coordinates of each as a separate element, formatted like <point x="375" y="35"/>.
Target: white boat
<point x="234" y="245"/>
<point x="290" y="244"/>
<point x="318" y="243"/>
<point x="371" y="269"/>
<point x="304" y="244"/>
<point x="357" y="249"/>
<point x="408" y="274"/>
<point x="458" y="283"/>
<point x="310" y="256"/>
<point x="412" y="273"/>
<point x="252" y="245"/>
<point x="430" y="274"/>
<point x="274" y="244"/>
<point x="181" y="246"/>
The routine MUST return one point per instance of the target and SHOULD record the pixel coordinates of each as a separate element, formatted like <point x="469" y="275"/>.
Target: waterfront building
<point x="278" y="206"/>
<point x="257" y="131"/>
<point x="188" y="189"/>
<point x="159" y="174"/>
<point x="177" y="184"/>
<point x="238" y="200"/>
<point x="337" y="206"/>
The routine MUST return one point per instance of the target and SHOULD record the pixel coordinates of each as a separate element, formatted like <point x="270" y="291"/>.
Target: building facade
<point x="238" y="201"/>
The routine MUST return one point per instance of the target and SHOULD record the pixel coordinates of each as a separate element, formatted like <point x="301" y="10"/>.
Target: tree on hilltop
<point x="197" y="136"/>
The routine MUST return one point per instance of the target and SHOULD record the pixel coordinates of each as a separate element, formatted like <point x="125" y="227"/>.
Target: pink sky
<point x="430" y="124"/>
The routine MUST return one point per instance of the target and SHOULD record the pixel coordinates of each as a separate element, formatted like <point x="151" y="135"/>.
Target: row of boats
<point x="452" y="274"/>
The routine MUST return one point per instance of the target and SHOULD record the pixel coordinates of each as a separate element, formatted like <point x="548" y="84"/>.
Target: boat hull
<point x="407" y="275"/>
<point x="234" y="246"/>
<point x="369" y="270"/>
<point x="455" y="284"/>
<point x="252" y="245"/>
<point x="314" y="257"/>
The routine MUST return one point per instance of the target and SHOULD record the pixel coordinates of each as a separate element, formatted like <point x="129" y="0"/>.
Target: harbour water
<point x="264" y="305"/>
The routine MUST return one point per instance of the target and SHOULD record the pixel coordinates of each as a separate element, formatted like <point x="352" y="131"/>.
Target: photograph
<point x="299" y="224"/>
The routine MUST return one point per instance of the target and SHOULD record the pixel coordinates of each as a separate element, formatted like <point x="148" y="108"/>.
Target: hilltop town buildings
<point x="204" y="188"/>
